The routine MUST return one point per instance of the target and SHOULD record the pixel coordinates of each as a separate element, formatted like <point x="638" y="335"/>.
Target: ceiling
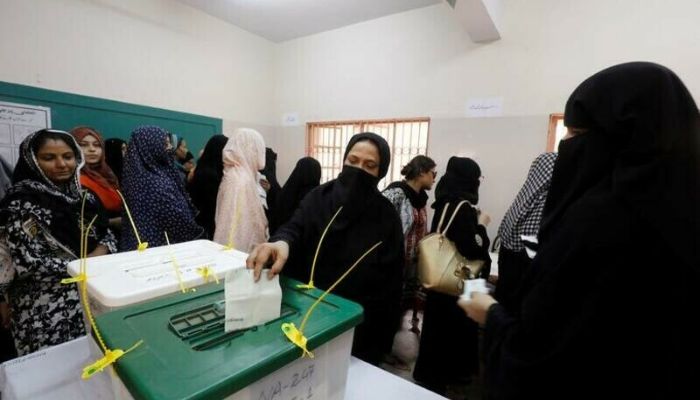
<point x="282" y="20"/>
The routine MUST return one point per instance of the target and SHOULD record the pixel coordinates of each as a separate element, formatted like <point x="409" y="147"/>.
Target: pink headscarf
<point x="243" y="157"/>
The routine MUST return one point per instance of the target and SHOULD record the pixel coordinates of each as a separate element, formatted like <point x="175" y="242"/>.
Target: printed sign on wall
<point x="17" y="121"/>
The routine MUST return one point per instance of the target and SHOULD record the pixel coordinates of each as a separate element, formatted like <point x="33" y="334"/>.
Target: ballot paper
<point x="474" y="286"/>
<point x="250" y="303"/>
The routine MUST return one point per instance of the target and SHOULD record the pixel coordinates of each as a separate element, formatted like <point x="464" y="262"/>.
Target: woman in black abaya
<point x="614" y="287"/>
<point x="448" y="353"/>
<point x="367" y="217"/>
<point x="305" y="177"/>
<point x="204" y="186"/>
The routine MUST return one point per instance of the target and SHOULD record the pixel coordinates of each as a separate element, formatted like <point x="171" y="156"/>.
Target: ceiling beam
<point x="479" y="18"/>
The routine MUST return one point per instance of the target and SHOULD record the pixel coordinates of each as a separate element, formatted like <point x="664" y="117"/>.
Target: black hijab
<point x="114" y="156"/>
<point x="355" y="189"/>
<point x="204" y="186"/>
<point x="305" y="177"/>
<point x="642" y="144"/>
<point x="270" y="172"/>
<point x="272" y="196"/>
<point x="382" y="146"/>
<point x="366" y="218"/>
<point x="460" y="182"/>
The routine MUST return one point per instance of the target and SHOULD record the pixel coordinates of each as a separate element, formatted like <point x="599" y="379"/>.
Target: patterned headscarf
<point x="154" y="192"/>
<point x="101" y="172"/>
<point x="523" y="216"/>
<point x="28" y="173"/>
<point x="62" y="201"/>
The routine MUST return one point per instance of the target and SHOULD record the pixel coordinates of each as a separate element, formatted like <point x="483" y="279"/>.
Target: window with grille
<point x="556" y="131"/>
<point x="326" y="142"/>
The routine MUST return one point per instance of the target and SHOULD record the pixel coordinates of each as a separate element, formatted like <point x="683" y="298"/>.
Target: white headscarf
<point x="240" y="217"/>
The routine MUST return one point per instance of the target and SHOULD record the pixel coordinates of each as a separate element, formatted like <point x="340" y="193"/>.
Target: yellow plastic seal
<point x="110" y="357"/>
<point x="81" y="277"/>
<point x="207" y="272"/>
<point x="178" y="275"/>
<point x="295" y="336"/>
<point x="142" y="245"/>
<point x="310" y="285"/>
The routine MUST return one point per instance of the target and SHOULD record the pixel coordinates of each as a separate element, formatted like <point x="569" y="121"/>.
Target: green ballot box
<point x="186" y="354"/>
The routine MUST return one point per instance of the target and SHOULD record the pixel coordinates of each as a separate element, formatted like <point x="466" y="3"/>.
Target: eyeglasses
<point x="434" y="173"/>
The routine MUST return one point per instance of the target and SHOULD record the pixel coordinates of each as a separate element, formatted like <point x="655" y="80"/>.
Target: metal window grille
<point x="407" y="138"/>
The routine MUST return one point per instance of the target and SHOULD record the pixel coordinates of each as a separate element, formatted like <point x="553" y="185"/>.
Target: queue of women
<point x="599" y="273"/>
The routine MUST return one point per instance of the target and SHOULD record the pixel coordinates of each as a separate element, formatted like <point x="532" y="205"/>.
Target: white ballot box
<point x="123" y="279"/>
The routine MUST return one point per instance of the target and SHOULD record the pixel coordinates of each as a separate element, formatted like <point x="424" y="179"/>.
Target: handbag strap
<point x="454" y="213"/>
<point x="442" y="217"/>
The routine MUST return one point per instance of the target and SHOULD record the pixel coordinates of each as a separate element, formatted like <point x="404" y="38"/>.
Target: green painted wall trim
<point x="112" y="118"/>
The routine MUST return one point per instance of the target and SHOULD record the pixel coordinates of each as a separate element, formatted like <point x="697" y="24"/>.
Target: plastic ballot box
<point x="186" y="354"/>
<point x="121" y="279"/>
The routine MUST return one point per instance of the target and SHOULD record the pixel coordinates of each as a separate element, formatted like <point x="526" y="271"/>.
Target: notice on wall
<point x="290" y="119"/>
<point x="484" y="107"/>
<point x="17" y="121"/>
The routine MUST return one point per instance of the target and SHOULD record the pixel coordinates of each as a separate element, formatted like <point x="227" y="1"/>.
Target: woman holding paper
<point x="522" y="219"/>
<point x="445" y="330"/>
<point x="365" y="219"/>
<point x="613" y="293"/>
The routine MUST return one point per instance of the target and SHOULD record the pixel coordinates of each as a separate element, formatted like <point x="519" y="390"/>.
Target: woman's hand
<point x="100" y="250"/>
<point x="477" y="308"/>
<point x="278" y="252"/>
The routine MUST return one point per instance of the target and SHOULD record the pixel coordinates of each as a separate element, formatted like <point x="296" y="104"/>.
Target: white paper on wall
<point x="290" y="119"/>
<point x="484" y="107"/>
<point x="17" y="121"/>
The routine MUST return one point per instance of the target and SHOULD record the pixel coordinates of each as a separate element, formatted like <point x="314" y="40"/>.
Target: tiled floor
<point x="406" y="345"/>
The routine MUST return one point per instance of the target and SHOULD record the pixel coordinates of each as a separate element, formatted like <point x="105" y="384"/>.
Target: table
<point x="367" y="382"/>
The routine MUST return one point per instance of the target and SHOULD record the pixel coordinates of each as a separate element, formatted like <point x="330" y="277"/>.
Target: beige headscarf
<point x="240" y="218"/>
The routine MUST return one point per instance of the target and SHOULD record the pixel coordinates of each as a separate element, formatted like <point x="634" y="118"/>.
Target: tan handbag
<point x="440" y="266"/>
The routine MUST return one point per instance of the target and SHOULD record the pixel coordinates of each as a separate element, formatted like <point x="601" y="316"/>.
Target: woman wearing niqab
<point x="367" y="218"/>
<point x="614" y="287"/>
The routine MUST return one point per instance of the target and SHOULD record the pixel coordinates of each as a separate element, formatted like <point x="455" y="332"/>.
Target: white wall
<point x="418" y="63"/>
<point x="158" y="53"/>
<point x="422" y="63"/>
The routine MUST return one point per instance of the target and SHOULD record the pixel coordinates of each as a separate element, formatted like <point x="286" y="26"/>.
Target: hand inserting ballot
<point x="264" y="253"/>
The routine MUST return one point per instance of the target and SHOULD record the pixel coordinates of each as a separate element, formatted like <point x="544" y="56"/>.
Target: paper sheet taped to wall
<point x="17" y="121"/>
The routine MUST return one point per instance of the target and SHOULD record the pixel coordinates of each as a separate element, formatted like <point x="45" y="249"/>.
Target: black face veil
<point x="641" y="142"/>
